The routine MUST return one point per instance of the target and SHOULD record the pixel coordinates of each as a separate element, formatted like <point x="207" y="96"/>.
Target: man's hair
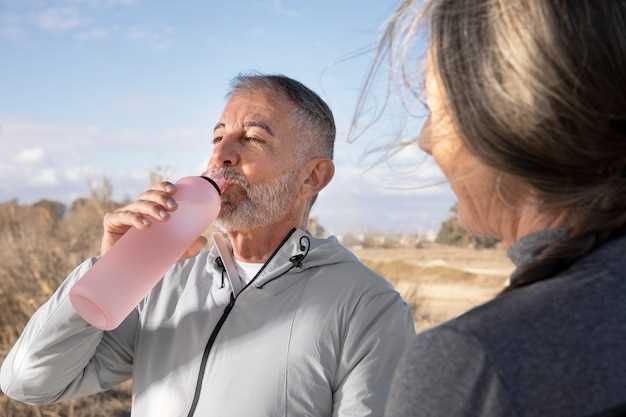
<point x="310" y="112"/>
<point x="312" y="118"/>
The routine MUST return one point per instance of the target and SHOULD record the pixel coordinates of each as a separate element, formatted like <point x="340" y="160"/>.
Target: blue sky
<point x="118" y="87"/>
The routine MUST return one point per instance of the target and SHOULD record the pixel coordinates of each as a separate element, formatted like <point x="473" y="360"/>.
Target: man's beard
<point x="248" y="206"/>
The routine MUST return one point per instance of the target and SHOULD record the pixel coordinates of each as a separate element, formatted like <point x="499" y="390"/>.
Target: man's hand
<point x="152" y="205"/>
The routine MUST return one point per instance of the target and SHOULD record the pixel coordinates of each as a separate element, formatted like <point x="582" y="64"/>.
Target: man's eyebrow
<point x="261" y="125"/>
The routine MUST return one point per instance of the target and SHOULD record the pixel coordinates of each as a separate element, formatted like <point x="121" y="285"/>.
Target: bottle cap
<point x="217" y="181"/>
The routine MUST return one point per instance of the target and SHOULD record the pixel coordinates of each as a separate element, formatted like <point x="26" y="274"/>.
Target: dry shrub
<point x="37" y="251"/>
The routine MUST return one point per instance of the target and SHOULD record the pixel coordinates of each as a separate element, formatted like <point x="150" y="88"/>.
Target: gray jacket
<point x="553" y="348"/>
<point x="314" y="334"/>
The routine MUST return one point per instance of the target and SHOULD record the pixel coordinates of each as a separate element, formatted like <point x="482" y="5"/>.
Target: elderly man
<point x="270" y="322"/>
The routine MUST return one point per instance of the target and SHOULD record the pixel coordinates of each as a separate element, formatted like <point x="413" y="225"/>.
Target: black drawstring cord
<point x="296" y="260"/>
<point x="220" y="265"/>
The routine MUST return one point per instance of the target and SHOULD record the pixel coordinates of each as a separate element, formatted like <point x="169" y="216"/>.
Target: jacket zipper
<point x="218" y="327"/>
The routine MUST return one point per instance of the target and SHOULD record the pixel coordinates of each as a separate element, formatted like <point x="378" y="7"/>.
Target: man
<point x="271" y="323"/>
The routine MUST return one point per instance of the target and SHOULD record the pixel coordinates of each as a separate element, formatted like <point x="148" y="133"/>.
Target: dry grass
<point x="406" y="278"/>
<point x="397" y="270"/>
<point x="439" y="292"/>
<point x="37" y="251"/>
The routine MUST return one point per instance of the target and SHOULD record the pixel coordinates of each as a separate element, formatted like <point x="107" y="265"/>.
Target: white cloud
<point x="7" y="172"/>
<point x="379" y="199"/>
<point x="70" y="140"/>
<point x="79" y="173"/>
<point x="353" y="204"/>
<point x="59" y="19"/>
<point x="138" y="174"/>
<point x="82" y="19"/>
<point x="46" y="177"/>
<point x="389" y="178"/>
<point x="29" y="156"/>
<point x="19" y="134"/>
<point x="73" y="154"/>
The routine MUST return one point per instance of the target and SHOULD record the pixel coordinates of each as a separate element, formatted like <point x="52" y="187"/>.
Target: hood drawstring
<point x="296" y="260"/>
<point x="220" y="265"/>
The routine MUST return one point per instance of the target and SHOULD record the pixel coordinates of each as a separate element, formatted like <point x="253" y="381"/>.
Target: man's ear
<point x="319" y="173"/>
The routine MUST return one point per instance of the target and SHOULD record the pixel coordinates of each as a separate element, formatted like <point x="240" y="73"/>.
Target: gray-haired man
<point x="272" y="322"/>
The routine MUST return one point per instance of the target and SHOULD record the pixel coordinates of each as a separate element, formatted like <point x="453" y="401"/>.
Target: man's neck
<point x="258" y="244"/>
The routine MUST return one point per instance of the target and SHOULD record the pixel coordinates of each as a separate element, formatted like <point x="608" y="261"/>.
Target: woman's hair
<point x="537" y="91"/>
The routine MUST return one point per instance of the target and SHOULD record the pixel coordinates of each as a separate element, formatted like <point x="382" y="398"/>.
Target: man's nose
<point x="225" y="154"/>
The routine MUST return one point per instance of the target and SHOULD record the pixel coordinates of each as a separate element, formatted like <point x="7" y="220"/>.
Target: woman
<point x="527" y="119"/>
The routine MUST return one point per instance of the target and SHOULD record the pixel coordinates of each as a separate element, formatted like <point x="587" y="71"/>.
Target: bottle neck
<point x="212" y="183"/>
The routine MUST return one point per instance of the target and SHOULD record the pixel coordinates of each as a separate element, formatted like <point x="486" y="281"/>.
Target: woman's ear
<point x="319" y="173"/>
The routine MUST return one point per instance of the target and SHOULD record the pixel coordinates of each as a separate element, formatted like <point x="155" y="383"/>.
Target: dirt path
<point x="441" y="282"/>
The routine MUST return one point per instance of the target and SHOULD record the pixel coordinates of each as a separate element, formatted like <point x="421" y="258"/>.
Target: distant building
<point x="382" y="240"/>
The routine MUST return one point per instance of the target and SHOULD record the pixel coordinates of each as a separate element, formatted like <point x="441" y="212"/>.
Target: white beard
<point x="262" y="205"/>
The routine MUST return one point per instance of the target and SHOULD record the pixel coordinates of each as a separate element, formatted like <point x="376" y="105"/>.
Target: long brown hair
<point x="537" y="91"/>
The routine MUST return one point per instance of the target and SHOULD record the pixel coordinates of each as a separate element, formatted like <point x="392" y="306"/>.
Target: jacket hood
<point x="298" y="250"/>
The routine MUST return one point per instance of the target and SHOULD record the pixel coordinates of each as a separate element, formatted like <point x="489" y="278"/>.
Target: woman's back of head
<point x="538" y="88"/>
<point x="537" y="91"/>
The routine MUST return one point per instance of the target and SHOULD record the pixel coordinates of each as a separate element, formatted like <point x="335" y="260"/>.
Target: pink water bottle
<point x="121" y="278"/>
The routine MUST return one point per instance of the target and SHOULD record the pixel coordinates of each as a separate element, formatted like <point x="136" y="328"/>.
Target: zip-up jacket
<point x="315" y="333"/>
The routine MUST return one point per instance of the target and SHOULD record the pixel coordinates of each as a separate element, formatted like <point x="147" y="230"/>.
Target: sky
<point x="116" y="88"/>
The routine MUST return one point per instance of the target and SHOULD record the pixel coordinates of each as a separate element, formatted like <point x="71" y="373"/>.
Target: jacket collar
<point x="529" y="248"/>
<point x="291" y="253"/>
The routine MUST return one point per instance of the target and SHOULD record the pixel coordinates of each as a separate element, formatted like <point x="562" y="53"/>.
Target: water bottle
<point x="121" y="278"/>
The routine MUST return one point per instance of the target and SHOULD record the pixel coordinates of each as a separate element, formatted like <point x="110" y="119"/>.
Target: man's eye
<point x="252" y="139"/>
<point x="217" y="139"/>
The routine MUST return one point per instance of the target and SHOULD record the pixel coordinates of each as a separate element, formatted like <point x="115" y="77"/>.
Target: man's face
<point x="254" y="147"/>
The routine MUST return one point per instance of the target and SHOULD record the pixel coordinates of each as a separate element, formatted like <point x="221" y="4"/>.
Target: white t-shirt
<point x="248" y="270"/>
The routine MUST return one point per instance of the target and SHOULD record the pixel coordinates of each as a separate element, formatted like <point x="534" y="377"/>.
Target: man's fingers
<point x="164" y="186"/>
<point x="148" y="208"/>
<point x="159" y="197"/>
<point x="140" y="214"/>
<point x="120" y="220"/>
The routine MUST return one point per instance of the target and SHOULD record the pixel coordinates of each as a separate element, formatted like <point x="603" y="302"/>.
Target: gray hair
<point x="311" y="114"/>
